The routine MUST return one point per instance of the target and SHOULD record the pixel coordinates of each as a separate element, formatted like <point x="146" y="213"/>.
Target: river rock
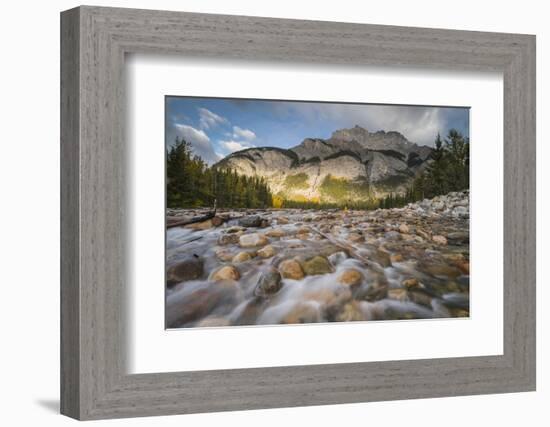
<point x="268" y="284"/>
<point x="382" y="258"/>
<point x="350" y="312"/>
<point x="404" y="229"/>
<point x="398" y="294"/>
<point x="458" y="237"/>
<point x="251" y="221"/>
<point x="226" y="272"/>
<point x="276" y="232"/>
<point x="224" y="254"/>
<point x="356" y="238"/>
<point x="204" y="225"/>
<point x="317" y="265"/>
<point x="410" y="283"/>
<point x="191" y="268"/>
<point x="291" y="269"/>
<point x="227" y="239"/>
<point x="302" y="312"/>
<point x="351" y="277"/>
<point x="241" y="257"/>
<point x="282" y="220"/>
<point x="266" y="252"/>
<point x="251" y="240"/>
<point x="440" y="240"/>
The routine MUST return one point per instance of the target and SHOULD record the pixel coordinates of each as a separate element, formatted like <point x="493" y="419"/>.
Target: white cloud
<point x="199" y="140"/>
<point x="232" y="146"/>
<point x="208" y="119"/>
<point x="192" y="135"/>
<point x="240" y="133"/>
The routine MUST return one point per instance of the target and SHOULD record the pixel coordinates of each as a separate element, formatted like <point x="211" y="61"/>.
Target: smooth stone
<point x="227" y="239"/>
<point x="226" y="272"/>
<point x="291" y="269"/>
<point x="458" y="237"/>
<point x="396" y="258"/>
<point x="268" y="284"/>
<point x="241" y="257"/>
<point x="351" y="312"/>
<point x="351" y="277"/>
<point x="282" y="220"/>
<point x="191" y="268"/>
<point x="224" y="254"/>
<point x="404" y="228"/>
<point x="440" y="240"/>
<point x="250" y="221"/>
<point x="382" y="258"/>
<point x="410" y="283"/>
<point x="398" y="294"/>
<point x="356" y="238"/>
<point x="251" y="240"/>
<point x="266" y="252"/>
<point x="276" y="232"/>
<point x="302" y="313"/>
<point x="317" y="265"/>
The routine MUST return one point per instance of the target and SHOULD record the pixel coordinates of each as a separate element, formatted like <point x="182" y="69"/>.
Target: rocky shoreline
<point x="286" y="266"/>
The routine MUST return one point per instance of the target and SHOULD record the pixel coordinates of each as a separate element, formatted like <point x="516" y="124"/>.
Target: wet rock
<point x="276" y="232"/>
<point x="291" y="269"/>
<point x="266" y="252"/>
<point x="458" y="237"/>
<point x="355" y="238"/>
<point x="351" y="277"/>
<point x="392" y="235"/>
<point x="404" y="228"/>
<point x="399" y="294"/>
<point x="282" y="220"/>
<point x="204" y="225"/>
<point x="382" y="258"/>
<point x="396" y="258"/>
<point x="302" y="313"/>
<point x="317" y="265"/>
<point x="224" y="254"/>
<point x="217" y="221"/>
<point x="441" y="270"/>
<point x="420" y="296"/>
<point x="268" y="284"/>
<point x="337" y="257"/>
<point x="251" y="240"/>
<point x="227" y="239"/>
<point x="191" y="268"/>
<point x="375" y="291"/>
<point x="241" y="257"/>
<point x="461" y="212"/>
<point x="226" y="272"/>
<point x="440" y="240"/>
<point x="252" y="221"/>
<point x="350" y="312"/>
<point x="410" y="283"/>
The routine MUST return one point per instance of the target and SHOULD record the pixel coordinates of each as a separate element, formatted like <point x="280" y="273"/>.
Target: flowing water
<point x="301" y="266"/>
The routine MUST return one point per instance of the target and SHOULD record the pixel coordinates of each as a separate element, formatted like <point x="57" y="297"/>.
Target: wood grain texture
<point x="94" y="270"/>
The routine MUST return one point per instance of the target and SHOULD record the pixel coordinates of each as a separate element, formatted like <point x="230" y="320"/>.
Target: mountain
<point x="352" y="164"/>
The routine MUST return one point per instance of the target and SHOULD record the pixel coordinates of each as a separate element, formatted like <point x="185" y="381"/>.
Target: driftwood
<point x="194" y="220"/>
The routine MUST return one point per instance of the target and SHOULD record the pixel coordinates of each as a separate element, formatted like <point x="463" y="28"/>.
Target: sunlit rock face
<point x="374" y="162"/>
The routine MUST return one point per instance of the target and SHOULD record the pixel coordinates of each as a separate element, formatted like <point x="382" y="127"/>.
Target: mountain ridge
<point x="352" y="164"/>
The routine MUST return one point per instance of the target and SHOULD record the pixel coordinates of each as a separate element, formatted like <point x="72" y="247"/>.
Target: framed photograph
<point x="262" y="213"/>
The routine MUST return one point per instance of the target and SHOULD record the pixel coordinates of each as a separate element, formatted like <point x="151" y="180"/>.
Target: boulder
<point x="226" y="272"/>
<point x="266" y="252"/>
<point x="317" y="265"/>
<point x="351" y="277"/>
<point x="252" y="240"/>
<point x="291" y="269"/>
<point x="191" y="268"/>
<point x="268" y="284"/>
<point x="241" y="257"/>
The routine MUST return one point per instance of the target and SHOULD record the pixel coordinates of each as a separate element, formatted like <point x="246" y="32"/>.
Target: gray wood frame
<point x="94" y="41"/>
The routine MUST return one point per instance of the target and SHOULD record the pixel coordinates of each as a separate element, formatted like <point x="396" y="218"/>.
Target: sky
<point x="216" y="127"/>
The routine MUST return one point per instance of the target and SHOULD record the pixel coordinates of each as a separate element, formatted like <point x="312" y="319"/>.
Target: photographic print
<point x="291" y="212"/>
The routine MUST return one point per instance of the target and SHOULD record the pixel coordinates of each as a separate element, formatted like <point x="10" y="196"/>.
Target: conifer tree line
<point x="448" y="171"/>
<point x="190" y="182"/>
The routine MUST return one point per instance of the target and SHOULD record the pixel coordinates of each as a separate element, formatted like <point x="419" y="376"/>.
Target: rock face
<point x="381" y="161"/>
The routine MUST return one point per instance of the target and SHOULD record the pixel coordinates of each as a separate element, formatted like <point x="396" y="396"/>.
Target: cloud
<point x="208" y="119"/>
<point x="418" y="124"/>
<point x="239" y="133"/>
<point x="232" y="146"/>
<point x="199" y="140"/>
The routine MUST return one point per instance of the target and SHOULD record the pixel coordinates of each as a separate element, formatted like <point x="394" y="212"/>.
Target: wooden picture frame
<point x="94" y="41"/>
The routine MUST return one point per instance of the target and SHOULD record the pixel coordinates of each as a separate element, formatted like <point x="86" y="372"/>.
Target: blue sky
<point x="217" y="127"/>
